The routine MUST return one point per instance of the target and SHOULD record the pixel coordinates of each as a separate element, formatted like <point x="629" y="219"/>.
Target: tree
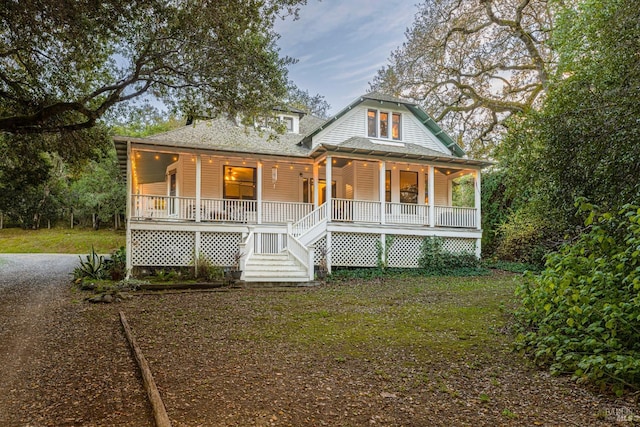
<point x="584" y="142"/>
<point x="303" y="100"/>
<point x="65" y="63"/>
<point x="472" y="64"/>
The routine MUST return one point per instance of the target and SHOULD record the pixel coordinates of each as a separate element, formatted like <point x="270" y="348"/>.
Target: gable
<point x="354" y="124"/>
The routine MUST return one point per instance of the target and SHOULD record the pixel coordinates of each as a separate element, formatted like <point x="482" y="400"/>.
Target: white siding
<point x="419" y="134"/>
<point x="354" y="123"/>
<point x="211" y="178"/>
<point x="348" y="181"/>
<point x="154" y="188"/>
<point x="366" y="181"/>
<point x="441" y="188"/>
<point x="187" y="176"/>
<point x="287" y="187"/>
<point x="351" y="124"/>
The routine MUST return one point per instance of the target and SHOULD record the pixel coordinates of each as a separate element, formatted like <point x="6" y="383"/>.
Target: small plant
<point x="383" y="253"/>
<point x="323" y="267"/>
<point x="206" y="270"/>
<point x="236" y="273"/>
<point x="117" y="265"/>
<point x="509" y="414"/>
<point x="92" y="267"/>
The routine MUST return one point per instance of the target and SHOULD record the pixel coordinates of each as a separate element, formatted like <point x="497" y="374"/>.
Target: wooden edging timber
<point x="157" y="406"/>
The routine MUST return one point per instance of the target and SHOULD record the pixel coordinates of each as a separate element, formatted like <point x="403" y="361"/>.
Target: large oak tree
<point x="473" y="63"/>
<point x="64" y="63"/>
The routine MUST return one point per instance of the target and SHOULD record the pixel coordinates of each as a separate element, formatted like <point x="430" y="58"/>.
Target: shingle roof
<point x="223" y="134"/>
<point x="364" y="146"/>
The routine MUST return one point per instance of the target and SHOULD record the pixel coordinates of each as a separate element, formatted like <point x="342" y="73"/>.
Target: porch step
<point x="273" y="268"/>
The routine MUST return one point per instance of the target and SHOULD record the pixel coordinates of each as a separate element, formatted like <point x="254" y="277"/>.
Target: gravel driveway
<point x="55" y="369"/>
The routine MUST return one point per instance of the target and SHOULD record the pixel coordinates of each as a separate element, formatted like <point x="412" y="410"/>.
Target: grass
<point x="60" y="240"/>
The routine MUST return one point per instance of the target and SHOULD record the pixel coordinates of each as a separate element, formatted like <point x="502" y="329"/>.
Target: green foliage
<point x="582" y="314"/>
<point x="435" y="260"/>
<point x="206" y="270"/>
<point x="495" y="207"/>
<point x="66" y="63"/>
<point x="117" y="264"/>
<point x="92" y="267"/>
<point x="524" y="237"/>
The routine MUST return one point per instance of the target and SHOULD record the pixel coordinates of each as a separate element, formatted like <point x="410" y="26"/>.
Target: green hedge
<point x="581" y="315"/>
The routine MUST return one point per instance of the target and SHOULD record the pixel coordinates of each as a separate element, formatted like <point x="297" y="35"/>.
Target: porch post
<point x="432" y="198"/>
<point x="328" y="186"/>
<point x="259" y="185"/>
<point x="128" y="246"/>
<point x="382" y="179"/>
<point x="198" y="188"/>
<point x="316" y="166"/>
<point x="478" y="199"/>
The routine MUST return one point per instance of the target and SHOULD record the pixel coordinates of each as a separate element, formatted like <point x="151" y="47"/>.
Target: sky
<point x="341" y="44"/>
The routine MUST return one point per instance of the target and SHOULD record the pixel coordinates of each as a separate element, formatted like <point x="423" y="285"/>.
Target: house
<point x="332" y="192"/>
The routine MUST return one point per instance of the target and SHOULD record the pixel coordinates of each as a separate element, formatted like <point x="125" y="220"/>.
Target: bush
<point x="581" y="315"/>
<point x="435" y="260"/>
<point x="207" y="271"/>
<point x="93" y="266"/>
<point x="524" y="238"/>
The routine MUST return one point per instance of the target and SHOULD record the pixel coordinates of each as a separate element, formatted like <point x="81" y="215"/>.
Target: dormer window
<point x="383" y="125"/>
<point x="288" y="122"/>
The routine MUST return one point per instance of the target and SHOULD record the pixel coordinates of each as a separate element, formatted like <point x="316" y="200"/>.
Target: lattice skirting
<point x="354" y="249"/>
<point x="157" y="248"/>
<point x="359" y="249"/>
<point x="220" y="248"/>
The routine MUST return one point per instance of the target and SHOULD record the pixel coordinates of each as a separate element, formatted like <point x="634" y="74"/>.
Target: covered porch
<point x="192" y="187"/>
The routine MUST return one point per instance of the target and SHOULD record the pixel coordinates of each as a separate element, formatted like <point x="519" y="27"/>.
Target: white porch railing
<point x="283" y="212"/>
<point x="355" y="210"/>
<point x="301" y="214"/>
<point x="406" y="213"/>
<point x="449" y="216"/>
<point x="309" y="221"/>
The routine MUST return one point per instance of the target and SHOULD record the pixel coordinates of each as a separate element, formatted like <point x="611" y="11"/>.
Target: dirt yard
<point x="406" y="352"/>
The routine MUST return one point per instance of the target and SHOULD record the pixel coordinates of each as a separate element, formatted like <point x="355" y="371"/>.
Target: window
<point x="288" y="122"/>
<point x="239" y="183"/>
<point x="387" y="186"/>
<point x="426" y="188"/>
<point x="395" y="126"/>
<point x="372" y="123"/>
<point x="408" y="187"/>
<point x="384" y="125"/>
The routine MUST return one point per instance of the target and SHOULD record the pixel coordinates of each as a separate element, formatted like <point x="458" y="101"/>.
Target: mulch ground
<point x="216" y="364"/>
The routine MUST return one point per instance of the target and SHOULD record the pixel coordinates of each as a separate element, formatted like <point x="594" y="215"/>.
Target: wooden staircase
<point x="280" y="267"/>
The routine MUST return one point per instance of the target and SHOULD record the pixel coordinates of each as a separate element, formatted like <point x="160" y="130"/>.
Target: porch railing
<point x="301" y="214"/>
<point x="355" y="211"/>
<point x="406" y="213"/>
<point x="451" y="216"/>
<point x="283" y="212"/>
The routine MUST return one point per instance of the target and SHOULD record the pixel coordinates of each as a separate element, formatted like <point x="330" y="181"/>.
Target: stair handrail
<point x="310" y="220"/>
<point x="304" y="254"/>
<point x="246" y="248"/>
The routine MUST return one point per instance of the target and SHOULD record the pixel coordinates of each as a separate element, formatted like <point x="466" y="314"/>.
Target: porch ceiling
<point x="152" y="167"/>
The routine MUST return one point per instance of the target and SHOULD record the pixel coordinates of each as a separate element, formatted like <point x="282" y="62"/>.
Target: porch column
<point x="478" y="199"/>
<point x="259" y="195"/>
<point x="128" y="246"/>
<point x="198" y="186"/>
<point x="328" y="186"/>
<point x="382" y="190"/>
<point x="432" y="198"/>
<point x="316" y="174"/>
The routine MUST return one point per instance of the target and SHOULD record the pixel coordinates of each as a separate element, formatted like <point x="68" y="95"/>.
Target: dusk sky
<point x="340" y="44"/>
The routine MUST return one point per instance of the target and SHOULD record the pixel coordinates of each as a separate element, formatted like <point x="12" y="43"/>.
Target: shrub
<point x="581" y="315"/>
<point x="435" y="260"/>
<point x="92" y="267"/>
<point x="117" y="264"/>
<point x="524" y="238"/>
<point x="207" y="271"/>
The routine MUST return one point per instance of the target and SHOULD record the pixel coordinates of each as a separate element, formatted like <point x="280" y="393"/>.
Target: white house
<point x="217" y="188"/>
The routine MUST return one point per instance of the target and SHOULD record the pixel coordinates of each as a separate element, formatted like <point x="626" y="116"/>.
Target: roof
<point x="222" y="134"/>
<point x="414" y="108"/>
<point x="364" y="146"/>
